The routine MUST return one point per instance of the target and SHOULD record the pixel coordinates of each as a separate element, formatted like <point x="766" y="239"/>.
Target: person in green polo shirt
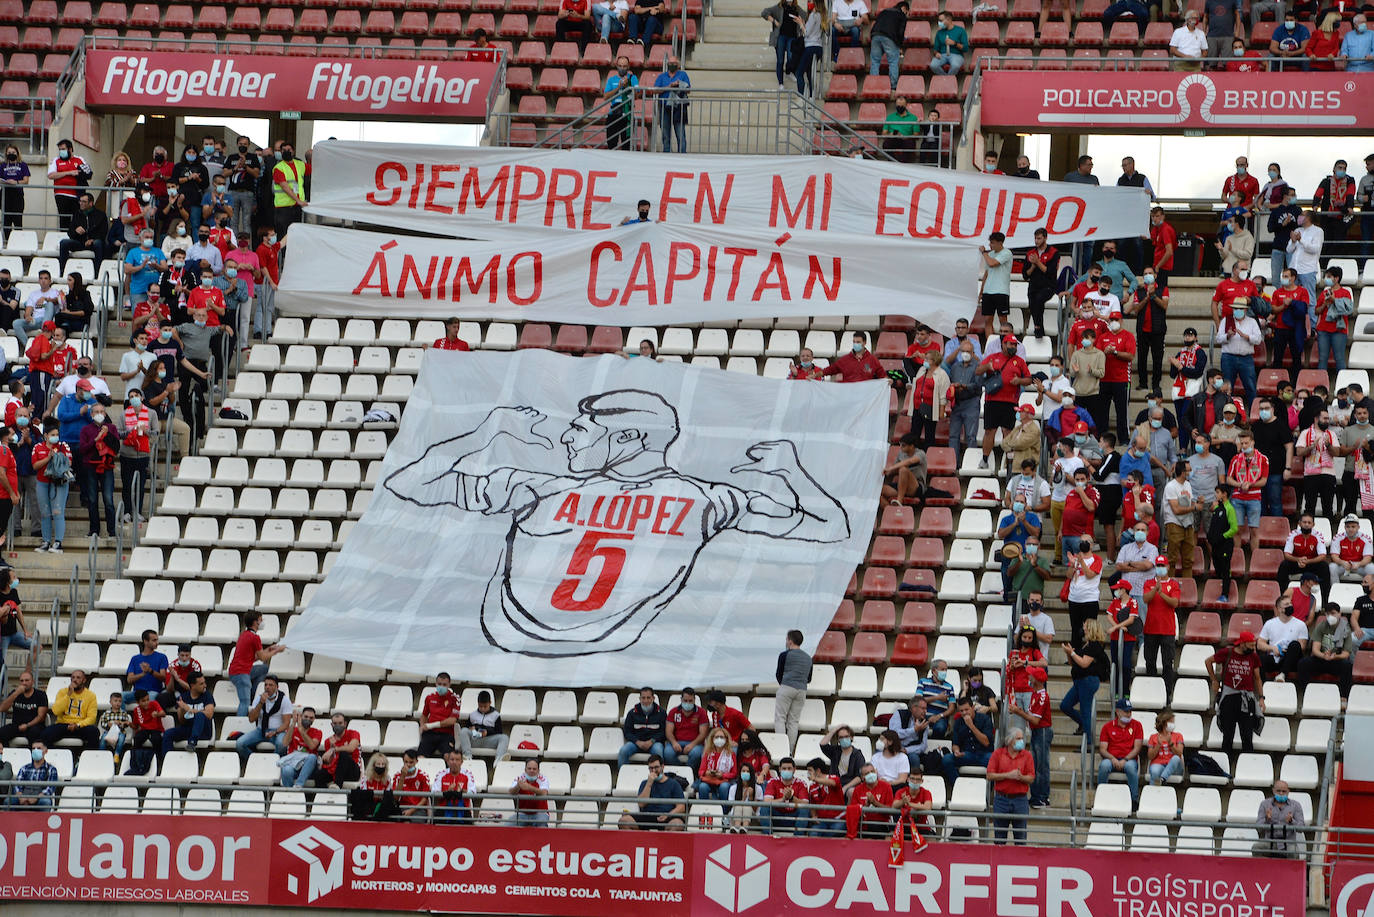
<point x="901" y="131"/>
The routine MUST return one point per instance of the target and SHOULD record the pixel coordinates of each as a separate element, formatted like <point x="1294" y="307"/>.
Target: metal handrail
<point x="92" y="565"/>
<point x="55" y="640"/>
<point x="71" y="601"/>
<point x="33" y="121"/>
<point x="119" y="543"/>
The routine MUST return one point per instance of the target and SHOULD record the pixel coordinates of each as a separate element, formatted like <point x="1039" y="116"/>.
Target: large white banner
<point x="497" y="193"/>
<point x="641" y="274"/>
<point x="552" y="520"/>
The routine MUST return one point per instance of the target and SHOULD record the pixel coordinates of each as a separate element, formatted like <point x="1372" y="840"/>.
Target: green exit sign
<point x="291" y="116"/>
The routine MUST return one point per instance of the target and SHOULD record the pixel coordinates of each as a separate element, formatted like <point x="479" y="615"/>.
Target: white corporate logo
<point x="738" y="886"/>
<point x="323" y="854"/>
<point x="1346" y="905"/>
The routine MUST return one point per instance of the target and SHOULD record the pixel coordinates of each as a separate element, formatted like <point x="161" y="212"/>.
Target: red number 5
<point x="612" y="562"/>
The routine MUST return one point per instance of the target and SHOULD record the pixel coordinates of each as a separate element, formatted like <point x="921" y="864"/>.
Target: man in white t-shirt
<point x="133" y="365"/>
<point x="1188" y="46"/>
<point x="1028" y="488"/>
<point x="1051" y="391"/>
<point x="1103" y="301"/>
<point x="1282" y="641"/>
<point x="997" y="276"/>
<point x="847" y="17"/>
<point x="1177" y="511"/>
<point x="1061" y="478"/>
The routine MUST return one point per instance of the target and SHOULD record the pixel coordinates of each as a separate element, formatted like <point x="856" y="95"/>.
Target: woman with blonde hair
<point x="377" y="776"/>
<point x="1089" y="669"/>
<point x="719" y="766"/>
<point x="1325" y="44"/>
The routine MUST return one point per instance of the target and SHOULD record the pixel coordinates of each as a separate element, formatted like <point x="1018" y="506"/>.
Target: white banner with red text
<point x="551" y="520"/>
<point x="639" y="274"/>
<point x="564" y="872"/>
<point x="505" y="194"/>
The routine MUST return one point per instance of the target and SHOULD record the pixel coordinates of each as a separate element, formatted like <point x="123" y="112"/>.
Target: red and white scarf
<point x="132" y="437"/>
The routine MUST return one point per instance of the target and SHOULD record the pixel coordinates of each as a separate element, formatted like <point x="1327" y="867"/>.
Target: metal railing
<point x="55" y="636"/>
<point x="32" y="120"/>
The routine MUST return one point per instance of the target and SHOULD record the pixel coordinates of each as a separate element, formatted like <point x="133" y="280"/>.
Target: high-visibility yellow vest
<point x="289" y="172"/>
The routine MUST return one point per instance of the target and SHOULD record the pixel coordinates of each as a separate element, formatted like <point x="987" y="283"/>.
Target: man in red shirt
<point x="341" y="757"/>
<point x="574" y="22"/>
<point x="530" y="790"/>
<point x="1234" y="671"/>
<point x="1237" y="286"/>
<point x="155" y="175"/>
<point x="872" y="792"/>
<point x="455" y="783"/>
<point x="912" y="798"/>
<point x="1290" y="303"/>
<point x="439" y="714"/>
<point x="146" y="718"/>
<point x="687" y="727"/>
<point x="1119" y="743"/>
<point x="1241" y="182"/>
<point x="1086" y="286"/>
<point x="1243" y="61"/>
<point x="1161" y="594"/>
<point x="728" y="718"/>
<point x="922" y="345"/>
<point x="1011" y="770"/>
<point x="209" y="297"/>
<point x="412" y="780"/>
<point x="1305" y="552"/>
<point x="999" y="407"/>
<point x="1088" y="320"/>
<point x="248" y="665"/>
<point x="65" y="173"/>
<point x="788" y="790"/>
<point x="1040" y="721"/>
<point x="827" y="800"/>
<point x="179" y="673"/>
<point x="859" y="365"/>
<point x="451" y="340"/>
<point x="1335" y="306"/>
<point x="1247" y="473"/>
<point x="299" y="763"/>
<point x="1119" y="346"/>
<point x="1164" y="242"/>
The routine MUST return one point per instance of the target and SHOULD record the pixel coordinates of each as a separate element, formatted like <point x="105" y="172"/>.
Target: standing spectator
<point x="1221" y="533"/>
<point x="1355" y="437"/>
<point x="1011" y="769"/>
<point x="1040" y="270"/>
<point x="731" y="720"/>
<point x="269" y="256"/>
<point x="1120" y="743"/>
<point x="1239" y="245"/>
<point x="1025" y="654"/>
<point x="901" y="128"/>
<point x="1082" y="173"/>
<point x="484" y="730"/>
<point x="1235" y="672"/>
<point x="14" y="175"/>
<point x="1274" y="440"/>
<point x="1248" y="474"/>
<point x="1080" y="507"/>
<point x="1149" y="304"/>
<point x="1304" y="251"/>
<point x="1316" y="446"/>
<point x="929" y="397"/>
<point x="1165" y="752"/>
<point x="1335" y="306"/>
<point x="187" y="186"/>
<point x="1241" y="182"/>
<point x="1085" y="579"/>
<point x="68" y="173"/>
<point x="997" y="261"/>
<point x="938" y="692"/>
<point x="197" y="338"/>
<point x="645" y="728"/>
<point x="439" y="715"/>
<point x="1280" y="822"/>
<point x="1179" y="514"/>
<point x="961" y="369"/>
<point x="886" y="39"/>
<point x="248" y="664"/>
<point x="786" y="791"/>
<point x="288" y="178"/>
<point x="1163" y="245"/>
<point x="136" y="434"/>
<point x="244" y="170"/>
<point x="340" y="756"/>
<point x="673" y="86"/>
<point x="1014" y="530"/>
<point x="1124" y="612"/>
<point x="1335" y="196"/>
<point x="1136" y="559"/>
<point x="1087" y="658"/>
<point x="1040" y="722"/>
<point x="1162" y="595"/>
<point x="860" y="365"/>
<point x="793" y="675"/>
<point x="98" y="448"/>
<point x="1188" y="45"/>
<point x="619" y="90"/>
<point x="670" y="815"/>
<point x="1282" y="641"/>
<point x="530" y="790"/>
<point x="155" y="175"/>
<point x="970" y="740"/>
<point x="1000" y="400"/>
<point x="1223" y="28"/>
<point x="1239" y="335"/>
<point x="1118" y="272"/>
<point x="271" y="716"/>
<point x="1289" y="321"/>
<point x="948" y="47"/>
<point x="1132" y="249"/>
<point x="1187" y="369"/>
<point x="718" y="767"/>
<point x="74" y="711"/>
<point x="34" y="788"/>
<point x="1283" y="219"/>
<point x="1330" y="650"/>
<point x="1119" y="350"/>
<point x="52" y="463"/>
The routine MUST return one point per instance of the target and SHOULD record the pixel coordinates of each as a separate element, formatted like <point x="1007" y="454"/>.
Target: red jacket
<point x="854" y="367"/>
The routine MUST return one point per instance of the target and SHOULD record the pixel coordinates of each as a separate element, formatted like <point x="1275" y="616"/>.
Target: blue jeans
<point x="780" y="820"/>
<point x="672" y="122"/>
<point x="18" y="638"/>
<point x="785" y="54"/>
<point x="1333" y="343"/>
<point x="854" y="32"/>
<point x="693" y="757"/>
<point x="1273" y="494"/>
<point x="942" y="64"/>
<point x="1125" y="666"/>
<point x="644" y="29"/>
<point x="532" y="818"/>
<point x="94" y="486"/>
<point x="248" y="742"/>
<point x="882" y="45"/>
<point x="971" y="759"/>
<point x="1278" y="261"/>
<point x="1162" y="772"/>
<point x="1235" y="365"/>
<point x="1307" y="281"/>
<point x="1009" y="806"/>
<point x="52" y="510"/>
<point x="200" y="728"/>
<point x="1070" y="545"/>
<point x="1132" y="771"/>
<point x="706" y="791"/>
<point x="630" y="748"/>
<point x="808" y="68"/>
<point x="1040" y="740"/>
<point x="1077" y="704"/>
<point x="246" y="685"/>
<point x="291" y="776"/>
<point x="606" y="22"/>
<point x="119" y="742"/>
<point x="824" y="827"/>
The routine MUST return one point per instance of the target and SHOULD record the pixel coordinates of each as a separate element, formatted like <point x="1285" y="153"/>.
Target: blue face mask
<point x="37" y="755"/>
<point x="1080" y="437"/>
<point x="858" y="348"/>
<point x="1198" y="447"/>
<point x="688" y="708"/>
<point x="1018" y="507"/>
<point x="1140" y="537"/>
<point x="786" y="776"/>
<point x="1278" y="797"/>
<point x="846" y="742"/>
<point x="22" y="421"/>
<point x="1019" y="745"/>
<point x="1339" y="173"/>
<point x="1266" y="414"/>
<point x="1156" y="423"/>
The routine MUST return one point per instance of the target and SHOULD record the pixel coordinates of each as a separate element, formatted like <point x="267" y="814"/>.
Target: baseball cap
<point x="84" y="384"/>
<point x="1010" y="339"/>
<point x="527" y="745"/>
<point x="1114" y="314"/>
<point x="1190" y="330"/>
<point x="1080" y="427"/>
<point x="50" y="326"/>
<point x="1245" y="636"/>
<point x="1121" y="584"/>
<point x="1038" y="673"/>
<point x="1124" y="704"/>
<point x="1228" y="409"/>
<point x="1351" y="518"/>
<point x="1026" y="409"/>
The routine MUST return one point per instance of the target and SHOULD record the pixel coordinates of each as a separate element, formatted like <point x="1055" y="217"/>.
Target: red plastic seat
<point x="911" y="650"/>
<point x="545" y="27"/>
<point x="42" y="12"/>
<point x="9" y="38"/>
<point x="897" y="520"/>
<point x="11" y="11"/>
<point x="917" y="34"/>
<point x="22" y="66"/>
<point x="1055" y="35"/>
<point x="1273" y="531"/>
<point x="1202" y="627"/>
<point x="1187" y="598"/>
<point x="1020" y="35"/>
<point x="1311" y="378"/>
<point x="400" y="49"/>
<point x="915" y="576"/>
<point x="531" y="53"/>
<point x="586" y="82"/>
<point x="1212" y="598"/>
<point x="75" y="12"/>
<point x="313" y="22"/>
<point x="536" y="336"/>
<point x="949" y="485"/>
<point x="413" y="23"/>
<point x="1093" y="9"/>
<point x="563" y="54"/>
<point x="302" y="46"/>
<point x="879" y="615"/>
<point x="380" y="22"/>
<point x="1125" y="34"/>
<point x="868" y="649"/>
<point x="249" y="19"/>
<point x="845" y="616"/>
<point x="900" y="427"/>
<point x="484" y="21"/>
<point x="887" y="551"/>
<point x="1157" y="35"/>
<point x="1025" y="9"/>
<point x="514" y="25"/>
<point x="851" y="60"/>
<point x="1262" y="34"/>
<point x="36" y="38"/>
<point x="144" y="16"/>
<point x="433" y="49"/>
<point x="112" y="14"/>
<point x="1260" y="595"/>
<point x="918" y="618"/>
<point x="178" y="17"/>
<point x="891" y="345"/>
<point x="1242" y="621"/>
<point x="879" y="583"/>
<point x="985" y="35"/>
<point x="911" y="87"/>
<point x="1268" y="382"/>
<point x="532" y="106"/>
<point x="843" y="88"/>
<point x="271" y="44"/>
<point x="942" y="460"/>
<point x="927" y="552"/>
<point x="346" y="22"/>
<point x="607" y="339"/>
<point x="831" y="649"/>
<point x="52" y="65"/>
<point x="571" y="339"/>
<point x="1265" y="564"/>
<point x="937" y="522"/>
<point x="447" y="24"/>
<point x="1364" y="667"/>
<point x="1088" y="35"/>
<point x="212" y="18"/>
<point x="943" y="87"/>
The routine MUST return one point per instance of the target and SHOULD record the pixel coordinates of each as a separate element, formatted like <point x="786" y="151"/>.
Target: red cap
<point x="1245" y="636"/>
<point x="527" y="745"/>
<point x="1027" y="409"/>
<point x="1010" y="339"/>
<point x="1114" y="314"/>
<point x="1080" y="427"/>
<point x="1120" y="585"/>
<point x="84" y="384"/>
<point x="50" y="326"/>
<point x="1039" y="674"/>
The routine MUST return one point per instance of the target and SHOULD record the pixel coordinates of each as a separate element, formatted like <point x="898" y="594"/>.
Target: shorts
<point x="1108" y="503"/>
<point x="648" y="821"/>
<point x="1247" y="512"/>
<point x="996" y="304"/>
<point x="999" y="414"/>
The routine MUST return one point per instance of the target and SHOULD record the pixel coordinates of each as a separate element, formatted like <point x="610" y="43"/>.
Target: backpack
<point x="59" y="468"/>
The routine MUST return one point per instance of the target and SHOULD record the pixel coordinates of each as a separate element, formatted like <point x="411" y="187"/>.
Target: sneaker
<point x="983" y="464"/>
<point x="56" y="548"/>
<point x="1039" y="805"/>
<point x="128" y="518"/>
<point x="42" y="548"/>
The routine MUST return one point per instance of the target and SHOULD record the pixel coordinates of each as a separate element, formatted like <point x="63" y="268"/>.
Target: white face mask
<point x="720" y="742"/>
<point x="1114" y="326"/>
<point x="1333" y="620"/>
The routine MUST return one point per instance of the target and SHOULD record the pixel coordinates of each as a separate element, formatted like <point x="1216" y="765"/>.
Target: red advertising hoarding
<point x="279" y="862"/>
<point x="1352" y="889"/>
<point x="1155" y="102"/>
<point x="457" y="90"/>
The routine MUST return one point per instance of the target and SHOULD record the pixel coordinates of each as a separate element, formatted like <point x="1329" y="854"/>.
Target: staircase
<point x="733" y="52"/>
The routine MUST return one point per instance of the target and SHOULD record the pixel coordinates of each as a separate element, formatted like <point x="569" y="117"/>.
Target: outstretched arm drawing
<point x="811" y="514"/>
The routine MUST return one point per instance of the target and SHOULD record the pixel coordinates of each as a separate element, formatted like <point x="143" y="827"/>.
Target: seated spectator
<point x="409" y="785"/>
<point x="970" y="740"/>
<point x="1281" y="823"/>
<point x="1305" y="553"/>
<point x="1244" y="61"/>
<point x="1330" y="651"/>
<point x="870" y="793"/>
<point x="1361" y="616"/>
<point x="1050" y="389"/>
<point x="455" y="783"/>
<point x="983" y="697"/>
<point x="1352" y="553"/>
<point x="1087" y="657"/>
<point x="827" y="801"/>
<point x="645" y="728"/>
<point x="889" y="758"/>
<point x="1133" y="10"/>
<point x="75" y="711"/>
<point x="147" y="669"/>
<point x="805" y="367"/>
<point x="669" y="815"/>
<point x="29" y="791"/>
<point x="610" y="16"/>
<point x="439" y="716"/>
<point x="271" y="716"/>
<point x="914" y="800"/>
<point x="1289" y="42"/>
<point x="1011" y="771"/>
<point x="574" y="23"/>
<point x="378" y="773"/>
<point x="483" y="729"/>
<point x="948" y="47"/>
<point x="648" y="19"/>
<point x="906" y="478"/>
<point x="114" y="726"/>
<point x="1305" y="598"/>
<point x="1165" y="752"/>
<point x="1120" y="743"/>
<point x="938" y="692"/>
<point x="530" y="789"/>
<point x="179" y="672"/>
<point x="303" y="741"/>
<point x="1357" y="49"/>
<point x="846" y="761"/>
<point x="718" y="767"/>
<point x="1282" y="640"/>
<point x="747" y="786"/>
<point x="341" y="755"/>
<point x="195" y="713"/>
<point x="787" y="792"/>
<point x="910" y="724"/>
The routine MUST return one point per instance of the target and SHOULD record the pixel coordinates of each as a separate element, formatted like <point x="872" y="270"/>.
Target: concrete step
<point x="738" y="8"/>
<point x="736" y="30"/>
<point x="717" y="66"/>
<point x="738" y="77"/>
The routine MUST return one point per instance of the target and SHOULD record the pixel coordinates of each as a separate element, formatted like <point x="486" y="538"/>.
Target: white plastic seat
<point x="970" y="794"/>
<point x="1157" y="802"/>
<point x="960" y="618"/>
<point x="119" y="593"/>
<point x="953" y="649"/>
<point x="1242" y="806"/>
<point x="500" y="336"/>
<point x="1202" y="804"/>
<point x="957" y="585"/>
<point x="1105" y="836"/>
<point x="323" y="331"/>
<point x="600" y="708"/>
<point x="859" y="681"/>
<point x="1321" y="700"/>
<point x="287" y="330"/>
<point x="1111" y="800"/>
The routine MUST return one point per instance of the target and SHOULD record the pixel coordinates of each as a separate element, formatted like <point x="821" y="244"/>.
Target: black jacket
<point x="93" y="221"/>
<point x="640" y="725"/>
